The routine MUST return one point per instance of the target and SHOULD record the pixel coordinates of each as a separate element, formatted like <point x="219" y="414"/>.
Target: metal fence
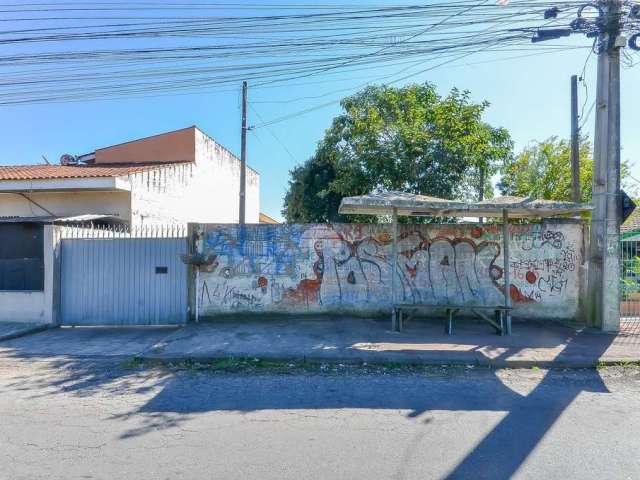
<point x="630" y="279"/>
<point x="121" y="231"/>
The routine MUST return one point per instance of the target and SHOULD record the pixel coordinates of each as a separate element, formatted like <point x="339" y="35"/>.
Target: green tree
<point x="543" y="170"/>
<point x="409" y="139"/>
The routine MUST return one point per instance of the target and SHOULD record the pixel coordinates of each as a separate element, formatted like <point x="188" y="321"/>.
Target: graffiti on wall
<point x="350" y="266"/>
<point x="546" y="264"/>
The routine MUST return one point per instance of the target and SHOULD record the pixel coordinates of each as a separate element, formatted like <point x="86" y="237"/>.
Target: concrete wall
<point x="33" y="306"/>
<point x="347" y="267"/>
<point x="205" y="191"/>
<point x="66" y="204"/>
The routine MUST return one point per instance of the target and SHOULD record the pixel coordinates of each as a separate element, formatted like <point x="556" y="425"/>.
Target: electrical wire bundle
<point x="71" y="51"/>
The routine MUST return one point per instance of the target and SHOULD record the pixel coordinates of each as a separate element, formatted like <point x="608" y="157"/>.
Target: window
<point x="21" y="256"/>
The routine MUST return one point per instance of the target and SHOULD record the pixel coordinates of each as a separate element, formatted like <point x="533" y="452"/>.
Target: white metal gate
<point x="116" y="278"/>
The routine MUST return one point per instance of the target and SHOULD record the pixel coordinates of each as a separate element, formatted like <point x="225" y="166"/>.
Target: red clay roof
<point x="42" y="172"/>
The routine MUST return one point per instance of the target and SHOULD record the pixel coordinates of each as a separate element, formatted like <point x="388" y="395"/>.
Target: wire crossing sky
<point x="135" y="68"/>
<point x="64" y="51"/>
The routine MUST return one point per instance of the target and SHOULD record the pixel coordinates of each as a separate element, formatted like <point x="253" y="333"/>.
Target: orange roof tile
<point x="42" y="172"/>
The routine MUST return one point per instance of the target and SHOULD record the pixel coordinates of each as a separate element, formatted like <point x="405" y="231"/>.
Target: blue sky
<point x="529" y="96"/>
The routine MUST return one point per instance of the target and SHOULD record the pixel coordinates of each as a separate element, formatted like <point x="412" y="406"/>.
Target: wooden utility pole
<point x="243" y="157"/>
<point x="604" y="247"/>
<point x="575" y="141"/>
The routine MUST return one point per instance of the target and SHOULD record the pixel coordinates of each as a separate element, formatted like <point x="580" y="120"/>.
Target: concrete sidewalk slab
<point x="342" y="340"/>
<point x="421" y="342"/>
<point x="11" y="330"/>
<point x="92" y="342"/>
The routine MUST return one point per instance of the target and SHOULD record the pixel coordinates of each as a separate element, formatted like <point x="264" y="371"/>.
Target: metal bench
<point x="501" y="321"/>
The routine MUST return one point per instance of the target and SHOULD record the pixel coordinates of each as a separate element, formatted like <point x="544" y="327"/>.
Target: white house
<point x="172" y="178"/>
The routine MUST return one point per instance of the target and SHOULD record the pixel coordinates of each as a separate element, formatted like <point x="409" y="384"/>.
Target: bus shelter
<point x="395" y="204"/>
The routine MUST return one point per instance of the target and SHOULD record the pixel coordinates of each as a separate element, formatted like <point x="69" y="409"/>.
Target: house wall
<point x="33" y="306"/>
<point x="221" y="183"/>
<point x="205" y="191"/>
<point x="66" y="204"/>
<point x="348" y="267"/>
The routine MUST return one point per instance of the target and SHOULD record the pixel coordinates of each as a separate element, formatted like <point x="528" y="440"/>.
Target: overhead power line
<point x="77" y="51"/>
<point x="273" y="134"/>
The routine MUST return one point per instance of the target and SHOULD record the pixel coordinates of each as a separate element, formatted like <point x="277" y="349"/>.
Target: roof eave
<point x="65" y="184"/>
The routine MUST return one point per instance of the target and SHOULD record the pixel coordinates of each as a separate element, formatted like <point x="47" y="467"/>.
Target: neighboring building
<point x="172" y="178"/>
<point x="630" y="229"/>
<point x="630" y="247"/>
<point x="264" y="218"/>
<point x="630" y="265"/>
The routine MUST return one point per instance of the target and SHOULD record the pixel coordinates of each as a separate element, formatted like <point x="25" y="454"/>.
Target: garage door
<point x="123" y="281"/>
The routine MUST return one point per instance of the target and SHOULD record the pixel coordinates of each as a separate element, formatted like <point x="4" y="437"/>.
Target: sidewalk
<point x="341" y="340"/>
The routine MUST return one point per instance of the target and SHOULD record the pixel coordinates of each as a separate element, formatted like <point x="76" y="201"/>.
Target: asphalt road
<point x="77" y="419"/>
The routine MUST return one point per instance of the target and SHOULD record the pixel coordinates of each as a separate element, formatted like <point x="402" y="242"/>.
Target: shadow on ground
<point x="172" y="398"/>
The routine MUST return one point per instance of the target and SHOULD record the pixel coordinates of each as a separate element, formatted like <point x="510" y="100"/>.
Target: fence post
<point x="192" y="275"/>
<point x="395" y="324"/>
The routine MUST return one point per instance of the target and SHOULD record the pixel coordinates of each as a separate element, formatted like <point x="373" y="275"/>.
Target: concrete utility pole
<point x="575" y="141"/>
<point x="604" y="272"/>
<point x="481" y="189"/>
<point x="243" y="156"/>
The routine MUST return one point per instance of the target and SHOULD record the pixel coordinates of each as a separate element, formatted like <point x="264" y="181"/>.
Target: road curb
<point x="481" y="362"/>
<point x="486" y="363"/>
<point x="25" y="332"/>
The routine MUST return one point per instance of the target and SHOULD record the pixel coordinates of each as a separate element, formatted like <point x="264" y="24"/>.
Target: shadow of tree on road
<point x="170" y="398"/>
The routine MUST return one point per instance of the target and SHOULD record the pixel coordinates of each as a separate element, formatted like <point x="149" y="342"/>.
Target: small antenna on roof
<point x="68" y="159"/>
<point x="45" y="160"/>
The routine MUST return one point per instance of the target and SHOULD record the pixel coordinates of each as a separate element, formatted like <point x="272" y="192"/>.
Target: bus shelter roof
<point x="412" y="205"/>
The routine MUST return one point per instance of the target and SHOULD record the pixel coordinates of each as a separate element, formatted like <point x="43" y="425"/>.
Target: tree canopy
<point x="408" y="139"/>
<point x="543" y="170"/>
